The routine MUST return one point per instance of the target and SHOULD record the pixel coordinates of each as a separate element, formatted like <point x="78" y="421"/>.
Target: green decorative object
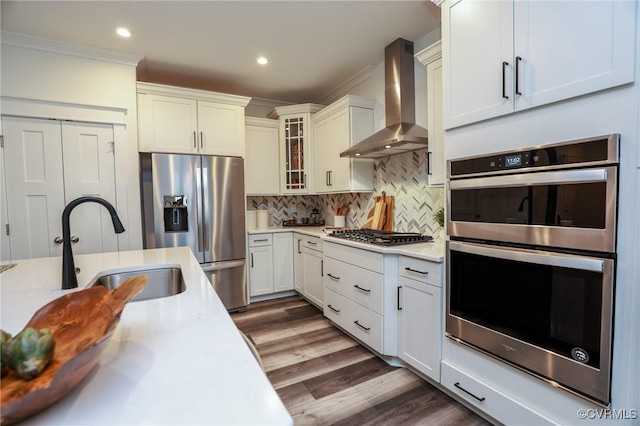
<point x="29" y="352"/>
<point x="438" y="216"/>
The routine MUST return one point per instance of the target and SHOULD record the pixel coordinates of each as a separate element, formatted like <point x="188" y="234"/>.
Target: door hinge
<point x="6" y="227"/>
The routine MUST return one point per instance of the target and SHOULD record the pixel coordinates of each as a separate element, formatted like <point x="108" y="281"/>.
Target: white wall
<point x="56" y="80"/>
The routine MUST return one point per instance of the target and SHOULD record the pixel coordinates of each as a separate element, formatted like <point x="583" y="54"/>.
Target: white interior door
<point x="35" y="191"/>
<point x="89" y="170"/>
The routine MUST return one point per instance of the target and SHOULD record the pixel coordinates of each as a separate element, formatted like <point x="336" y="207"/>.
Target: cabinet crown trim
<point x="261" y="122"/>
<point x="430" y="53"/>
<point x="197" y="94"/>
<point x="345" y="102"/>
<point x="298" y="109"/>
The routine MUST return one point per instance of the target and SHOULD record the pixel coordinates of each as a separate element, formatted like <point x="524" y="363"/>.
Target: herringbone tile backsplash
<point x="403" y="176"/>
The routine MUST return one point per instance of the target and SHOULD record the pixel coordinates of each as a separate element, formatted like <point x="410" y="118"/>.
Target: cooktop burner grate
<point x="381" y="238"/>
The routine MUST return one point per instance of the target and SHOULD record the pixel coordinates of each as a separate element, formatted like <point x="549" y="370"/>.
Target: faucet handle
<point x="74" y="239"/>
<point x="58" y="240"/>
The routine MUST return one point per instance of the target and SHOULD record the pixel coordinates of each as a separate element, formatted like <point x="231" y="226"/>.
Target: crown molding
<point x="430" y="53"/>
<point x="350" y="83"/>
<point x="205" y="95"/>
<point x="54" y="46"/>
<point x="437" y="2"/>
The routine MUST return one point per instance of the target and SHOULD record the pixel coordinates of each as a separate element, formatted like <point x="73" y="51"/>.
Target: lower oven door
<point x="545" y="312"/>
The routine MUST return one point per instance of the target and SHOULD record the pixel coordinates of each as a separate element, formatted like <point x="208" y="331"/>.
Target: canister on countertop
<point x="262" y="219"/>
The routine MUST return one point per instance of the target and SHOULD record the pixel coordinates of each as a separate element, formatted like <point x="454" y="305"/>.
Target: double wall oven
<point x="531" y="259"/>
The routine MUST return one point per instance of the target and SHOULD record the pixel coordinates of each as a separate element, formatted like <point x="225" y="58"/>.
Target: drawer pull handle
<point x="415" y="270"/>
<point x="337" y="311"/>
<point x="457" y="384"/>
<point x="399" y="307"/>
<point x="312" y="243"/>
<point x="334" y="277"/>
<point x="362" y="289"/>
<point x="264" y="240"/>
<point x="362" y="326"/>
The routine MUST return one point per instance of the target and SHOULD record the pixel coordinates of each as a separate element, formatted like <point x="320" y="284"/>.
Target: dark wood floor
<point x="326" y="378"/>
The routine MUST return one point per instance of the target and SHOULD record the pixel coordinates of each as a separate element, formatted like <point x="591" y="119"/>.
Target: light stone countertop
<point x="433" y="251"/>
<point x="178" y="360"/>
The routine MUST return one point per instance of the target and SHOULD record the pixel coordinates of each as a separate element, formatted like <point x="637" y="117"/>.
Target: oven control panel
<point x="579" y="153"/>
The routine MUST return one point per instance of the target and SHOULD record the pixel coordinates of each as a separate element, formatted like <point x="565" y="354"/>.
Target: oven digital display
<point x="513" y="160"/>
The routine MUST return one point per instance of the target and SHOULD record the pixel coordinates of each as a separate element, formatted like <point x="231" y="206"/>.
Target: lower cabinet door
<point x="282" y="261"/>
<point x="261" y="270"/>
<point x="420" y="337"/>
<point x="313" y="284"/>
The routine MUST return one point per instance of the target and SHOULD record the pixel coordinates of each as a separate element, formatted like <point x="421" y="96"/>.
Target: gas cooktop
<point x="381" y="238"/>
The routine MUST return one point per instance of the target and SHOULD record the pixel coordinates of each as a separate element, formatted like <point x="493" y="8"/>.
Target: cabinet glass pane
<point x="294" y="153"/>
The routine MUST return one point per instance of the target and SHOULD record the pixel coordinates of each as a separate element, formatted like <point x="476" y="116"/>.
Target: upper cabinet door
<point x="477" y="44"/>
<point x="35" y="186"/>
<point x="262" y="159"/>
<point x="566" y="48"/>
<point x="505" y="56"/>
<point x="89" y="170"/>
<point x="221" y="129"/>
<point x="168" y="124"/>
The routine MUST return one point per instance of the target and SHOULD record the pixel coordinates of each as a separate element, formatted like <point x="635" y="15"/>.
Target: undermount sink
<point x="162" y="282"/>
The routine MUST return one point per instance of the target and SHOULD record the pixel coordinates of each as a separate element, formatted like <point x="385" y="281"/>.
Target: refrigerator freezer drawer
<point x="229" y="280"/>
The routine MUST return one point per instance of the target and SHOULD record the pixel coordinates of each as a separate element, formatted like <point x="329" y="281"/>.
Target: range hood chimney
<point x="402" y="134"/>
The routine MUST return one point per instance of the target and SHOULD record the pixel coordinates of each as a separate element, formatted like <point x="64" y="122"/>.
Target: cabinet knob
<point x="58" y="240"/>
<point x="74" y="239"/>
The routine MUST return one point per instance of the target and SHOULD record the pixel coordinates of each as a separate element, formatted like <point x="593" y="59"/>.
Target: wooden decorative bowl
<point x="81" y="323"/>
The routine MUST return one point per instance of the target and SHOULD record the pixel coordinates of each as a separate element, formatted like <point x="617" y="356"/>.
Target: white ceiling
<point x="312" y="46"/>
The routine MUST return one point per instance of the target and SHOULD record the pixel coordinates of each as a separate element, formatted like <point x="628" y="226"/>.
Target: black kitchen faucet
<point x="69" y="279"/>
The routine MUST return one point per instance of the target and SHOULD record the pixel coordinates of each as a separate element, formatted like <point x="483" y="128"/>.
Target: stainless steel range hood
<point x="402" y="134"/>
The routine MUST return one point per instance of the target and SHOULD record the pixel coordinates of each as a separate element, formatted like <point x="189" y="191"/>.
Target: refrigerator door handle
<point x="208" y="267"/>
<point x="199" y="209"/>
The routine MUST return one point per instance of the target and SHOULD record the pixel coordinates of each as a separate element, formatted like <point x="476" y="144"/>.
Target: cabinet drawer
<point x="420" y="270"/>
<point x="362" y="258"/>
<point x="314" y="243"/>
<point x="488" y="399"/>
<point x="357" y="284"/>
<point x="256" y="240"/>
<point x="358" y="321"/>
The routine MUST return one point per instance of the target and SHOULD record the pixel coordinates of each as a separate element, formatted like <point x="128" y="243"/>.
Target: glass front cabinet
<point x="295" y="147"/>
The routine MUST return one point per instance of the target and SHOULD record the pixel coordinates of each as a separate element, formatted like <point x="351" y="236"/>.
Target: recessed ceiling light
<point x="357" y="154"/>
<point x="262" y="60"/>
<point x="123" y="32"/>
<point x="387" y="146"/>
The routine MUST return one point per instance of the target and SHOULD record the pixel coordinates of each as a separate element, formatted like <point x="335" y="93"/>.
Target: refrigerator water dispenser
<point x="175" y="214"/>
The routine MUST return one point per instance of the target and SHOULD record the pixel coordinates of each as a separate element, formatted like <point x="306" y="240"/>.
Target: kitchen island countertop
<point x="173" y="360"/>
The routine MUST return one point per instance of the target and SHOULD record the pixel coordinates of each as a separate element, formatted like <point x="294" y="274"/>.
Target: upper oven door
<point x="573" y="209"/>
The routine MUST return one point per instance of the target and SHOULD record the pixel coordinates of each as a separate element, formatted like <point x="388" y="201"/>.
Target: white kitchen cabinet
<point x="188" y="121"/>
<point x="49" y="163"/>
<point x="313" y="267"/>
<point x="262" y="159"/>
<point x="282" y="261"/>
<point x="298" y="265"/>
<point x="360" y="295"/>
<point x="509" y="56"/>
<point x="260" y="264"/>
<point x="420" y="312"/>
<point x="270" y="263"/>
<point x="296" y="147"/>
<point x="431" y="58"/>
<point x="335" y="129"/>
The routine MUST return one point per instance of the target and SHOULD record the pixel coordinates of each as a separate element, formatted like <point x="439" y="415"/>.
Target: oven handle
<point x="522" y="179"/>
<point x="532" y="256"/>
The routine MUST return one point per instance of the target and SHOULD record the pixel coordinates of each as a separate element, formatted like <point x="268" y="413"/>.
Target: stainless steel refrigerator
<point x="198" y="201"/>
